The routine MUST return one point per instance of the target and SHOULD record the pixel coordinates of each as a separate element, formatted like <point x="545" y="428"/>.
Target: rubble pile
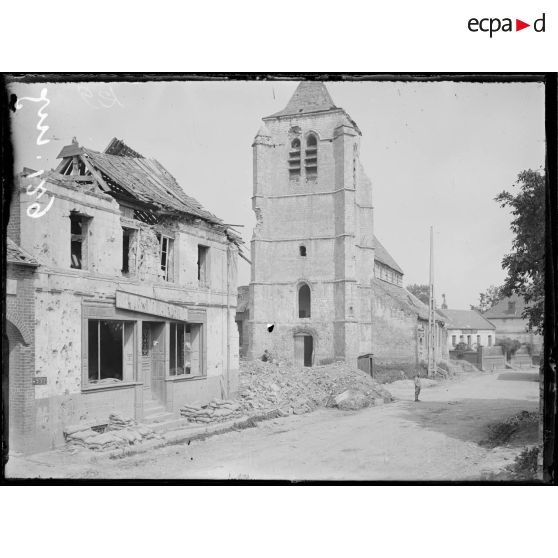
<point x="217" y="410"/>
<point x="296" y="390"/>
<point x="119" y="432"/>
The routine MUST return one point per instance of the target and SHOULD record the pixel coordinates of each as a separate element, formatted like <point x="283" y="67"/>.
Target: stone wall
<point x="331" y="216"/>
<point x="394" y="336"/>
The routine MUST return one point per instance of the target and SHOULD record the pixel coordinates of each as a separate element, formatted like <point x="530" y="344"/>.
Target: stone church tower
<point x="313" y="245"/>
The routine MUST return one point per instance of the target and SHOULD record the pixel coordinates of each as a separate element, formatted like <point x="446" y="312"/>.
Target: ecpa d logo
<point x="492" y="25"/>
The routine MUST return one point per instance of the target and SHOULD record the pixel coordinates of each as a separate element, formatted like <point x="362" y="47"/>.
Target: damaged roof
<point x="142" y="178"/>
<point x="404" y="299"/>
<point x="148" y="181"/>
<point x="126" y="172"/>
<point x="465" y="319"/>
<point x="16" y="254"/>
<point x="383" y="256"/>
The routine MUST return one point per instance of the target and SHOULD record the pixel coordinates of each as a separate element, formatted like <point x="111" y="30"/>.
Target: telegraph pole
<point x="431" y="313"/>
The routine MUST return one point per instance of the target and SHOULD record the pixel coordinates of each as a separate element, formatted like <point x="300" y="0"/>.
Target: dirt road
<point x="435" y="439"/>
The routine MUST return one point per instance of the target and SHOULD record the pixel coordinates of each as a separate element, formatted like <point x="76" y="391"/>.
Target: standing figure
<point x="417" y="386"/>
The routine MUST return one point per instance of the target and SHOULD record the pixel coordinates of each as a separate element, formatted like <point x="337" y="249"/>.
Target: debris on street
<point x="301" y="390"/>
<point x="501" y="433"/>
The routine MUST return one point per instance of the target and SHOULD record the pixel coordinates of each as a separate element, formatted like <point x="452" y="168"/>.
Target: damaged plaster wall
<point x="58" y="349"/>
<point x="60" y="293"/>
<point x="48" y="237"/>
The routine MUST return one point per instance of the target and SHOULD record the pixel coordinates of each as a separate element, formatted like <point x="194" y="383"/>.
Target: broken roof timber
<point x="124" y="172"/>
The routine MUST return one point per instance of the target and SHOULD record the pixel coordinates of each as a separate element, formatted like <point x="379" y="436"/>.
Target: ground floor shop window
<point x="185" y="349"/>
<point x="110" y="350"/>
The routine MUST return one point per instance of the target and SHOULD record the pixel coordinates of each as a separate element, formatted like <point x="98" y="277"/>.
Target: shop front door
<point x="158" y="361"/>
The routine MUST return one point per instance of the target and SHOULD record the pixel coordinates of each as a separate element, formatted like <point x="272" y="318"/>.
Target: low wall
<point x="471" y="357"/>
<point x="491" y="358"/>
<point x="484" y="358"/>
<point x="521" y="359"/>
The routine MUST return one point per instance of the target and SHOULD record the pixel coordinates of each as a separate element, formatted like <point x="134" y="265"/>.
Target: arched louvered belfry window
<point x="311" y="156"/>
<point x="294" y="159"/>
<point x="304" y="301"/>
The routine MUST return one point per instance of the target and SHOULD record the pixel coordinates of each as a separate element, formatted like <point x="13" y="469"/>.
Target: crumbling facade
<point x="134" y="294"/>
<point x="315" y="294"/>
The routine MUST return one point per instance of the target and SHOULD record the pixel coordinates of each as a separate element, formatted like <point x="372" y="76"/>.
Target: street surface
<point x="434" y="439"/>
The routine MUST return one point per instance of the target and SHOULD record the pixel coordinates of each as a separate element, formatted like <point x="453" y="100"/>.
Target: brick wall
<point x="15" y="217"/>
<point x="21" y="339"/>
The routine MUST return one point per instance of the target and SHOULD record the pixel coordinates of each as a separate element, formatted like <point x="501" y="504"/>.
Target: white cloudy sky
<point x="437" y="154"/>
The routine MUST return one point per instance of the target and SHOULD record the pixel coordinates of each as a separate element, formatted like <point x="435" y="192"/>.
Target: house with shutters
<point x="133" y="291"/>
<point x="468" y="327"/>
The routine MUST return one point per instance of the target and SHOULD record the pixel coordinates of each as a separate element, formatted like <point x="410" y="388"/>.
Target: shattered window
<point x="110" y="350"/>
<point x="78" y="242"/>
<point x="128" y="245"/>
<point x="202" y="263"/>
<point x="185" y="344"/>
<point x="166" y="252"/>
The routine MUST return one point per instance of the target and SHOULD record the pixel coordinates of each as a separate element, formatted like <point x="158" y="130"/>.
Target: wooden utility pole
<point x="431" y="313"/>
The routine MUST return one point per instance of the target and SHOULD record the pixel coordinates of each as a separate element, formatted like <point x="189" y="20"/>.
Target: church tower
<point x="312" y="247"/>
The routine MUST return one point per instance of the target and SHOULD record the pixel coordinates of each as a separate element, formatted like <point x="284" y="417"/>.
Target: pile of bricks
<point x="217" y="410"/>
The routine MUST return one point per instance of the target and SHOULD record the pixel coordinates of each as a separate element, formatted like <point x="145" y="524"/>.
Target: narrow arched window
<point x="304" y="302"/>
<point x="302" y="250"/>
<point x="311" y="156"/>
<point x="294" y="159"/>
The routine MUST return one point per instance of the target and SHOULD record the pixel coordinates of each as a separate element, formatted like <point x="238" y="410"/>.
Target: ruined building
<point x="121" y="297"/>
<point x="314" y="271"/>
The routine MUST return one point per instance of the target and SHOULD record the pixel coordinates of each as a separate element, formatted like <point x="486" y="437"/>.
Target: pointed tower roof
<point x="310" y="96"/>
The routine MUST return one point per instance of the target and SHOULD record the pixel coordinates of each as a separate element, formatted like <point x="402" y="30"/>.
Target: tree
<point x="488" y="299"/>
<point x="525" y="263"/>
<point x="509" y="346"/>
<point x="422" y="292"/>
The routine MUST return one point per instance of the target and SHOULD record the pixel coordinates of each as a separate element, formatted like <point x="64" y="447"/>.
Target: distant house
<point x="507" y="318"/>
<point x="469" y="327"/>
